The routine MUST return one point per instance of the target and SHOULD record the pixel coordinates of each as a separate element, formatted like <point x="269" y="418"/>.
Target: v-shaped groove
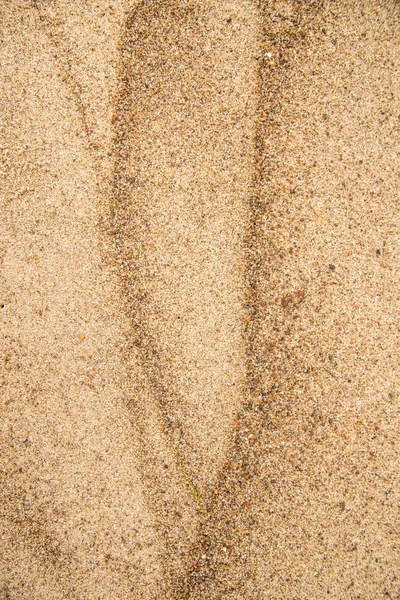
<point x="121" y="188"/>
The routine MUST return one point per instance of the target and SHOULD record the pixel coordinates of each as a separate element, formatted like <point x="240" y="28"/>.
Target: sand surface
<point x="199" y="299"/>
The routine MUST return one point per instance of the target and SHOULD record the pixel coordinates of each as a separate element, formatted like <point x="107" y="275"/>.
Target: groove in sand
<point x="167" y="87"/>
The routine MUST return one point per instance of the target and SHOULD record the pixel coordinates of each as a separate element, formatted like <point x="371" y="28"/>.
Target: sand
<point x="199" y="300"/>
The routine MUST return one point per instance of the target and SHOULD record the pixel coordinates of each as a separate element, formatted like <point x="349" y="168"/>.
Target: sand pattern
<point x="200" y="282"/>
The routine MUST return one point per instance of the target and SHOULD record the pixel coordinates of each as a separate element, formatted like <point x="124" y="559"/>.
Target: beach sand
<point x="199" y="299"/>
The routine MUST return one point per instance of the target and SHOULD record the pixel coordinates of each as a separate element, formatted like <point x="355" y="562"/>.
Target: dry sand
<point x="199" y="299"/>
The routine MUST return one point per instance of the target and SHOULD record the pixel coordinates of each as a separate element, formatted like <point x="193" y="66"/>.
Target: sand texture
<point x="199" y="299"/>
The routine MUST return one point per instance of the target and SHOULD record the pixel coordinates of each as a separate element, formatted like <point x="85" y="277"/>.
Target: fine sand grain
<point x="199" y="299"/>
